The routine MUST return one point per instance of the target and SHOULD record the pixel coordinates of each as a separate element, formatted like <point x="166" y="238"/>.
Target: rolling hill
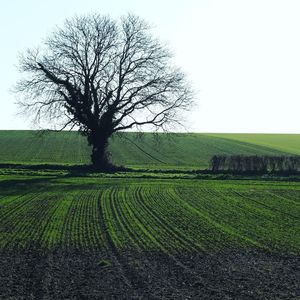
<point x="174" y="151"/>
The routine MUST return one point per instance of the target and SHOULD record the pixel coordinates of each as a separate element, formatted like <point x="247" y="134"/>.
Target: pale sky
<point x="242" y="56"/>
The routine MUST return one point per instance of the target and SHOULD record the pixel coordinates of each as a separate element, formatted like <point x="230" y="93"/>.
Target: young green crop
<point x="170" y="216"/>
<point x="289" y="143"/>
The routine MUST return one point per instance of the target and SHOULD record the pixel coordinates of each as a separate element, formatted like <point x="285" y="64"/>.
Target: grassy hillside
<point x="283" y="142"/>
<point x="169" y="151"/>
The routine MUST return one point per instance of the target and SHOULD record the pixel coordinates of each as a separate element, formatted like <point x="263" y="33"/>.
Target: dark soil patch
<point x="75" y="275"/>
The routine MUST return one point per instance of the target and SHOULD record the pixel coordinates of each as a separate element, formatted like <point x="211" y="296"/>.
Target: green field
<point x="289" y="143"/>
<point x="174" y="151"/>
<point x="148" y="215"/>
<point x="142" y="210"/>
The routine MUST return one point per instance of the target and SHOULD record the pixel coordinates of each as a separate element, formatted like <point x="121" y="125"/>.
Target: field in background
<point x="289" y="143"/>
<point x="174" y="151"/>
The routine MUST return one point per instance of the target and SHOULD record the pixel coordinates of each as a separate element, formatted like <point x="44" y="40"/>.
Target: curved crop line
<point x="76" y="230"/>
<point x="137" y="221"/>
<point x="89" y="230"/>
<point x="170" y="227"/>
<point x="141" y="222"/>
<point x="267" y="206"/>
<point x="124" y="222"/>
<point x="110" y="219"/>
<point x="11" y="220"/>
<point x="53" y="232"/>
<point x="152" y="234"/>
<point x="72" y="235"/>
<point x="30" y="228"/>
<point x="295" y="202"/>
<point x="254" y="219"/>
<point x="11" y="207"/>
<point x="144" y="151"/>
<point x="157" y="229"/>
<point x="190" y="221"/>
<point x="121" y="228"/>
<point x="85" y="222"/>
<point x="66" y="231"/>
<point x="45" y="224"/>
<point x="292" y="196"/>
<point x="95" y="227"/>
<point x="244" y="209"/>
<point x="227" y="229"/>
<point x="110" y="241"/>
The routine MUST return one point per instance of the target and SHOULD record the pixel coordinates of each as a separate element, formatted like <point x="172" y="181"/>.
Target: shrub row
<point x="254" y="163"/>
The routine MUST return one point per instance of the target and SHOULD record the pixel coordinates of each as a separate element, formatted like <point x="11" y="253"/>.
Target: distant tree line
<point x="255" y="164"/>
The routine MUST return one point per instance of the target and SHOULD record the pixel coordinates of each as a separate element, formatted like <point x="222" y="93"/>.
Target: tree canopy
<point x="101" y="76"/>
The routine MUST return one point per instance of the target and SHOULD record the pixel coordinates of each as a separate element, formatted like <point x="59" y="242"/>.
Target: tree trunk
<point x="99" y="156"/>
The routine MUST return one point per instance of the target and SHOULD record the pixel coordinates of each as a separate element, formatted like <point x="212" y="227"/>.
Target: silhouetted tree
<point x="103" y="76"/>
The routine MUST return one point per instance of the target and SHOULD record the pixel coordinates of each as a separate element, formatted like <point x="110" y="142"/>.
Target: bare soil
<point x="36" y="274"/>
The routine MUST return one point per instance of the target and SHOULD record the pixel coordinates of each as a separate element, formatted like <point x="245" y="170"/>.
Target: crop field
<point x="158" y="231"/>
<point x="174" y="151"/>
<point x="169" y="216"/>
<point x="161" y="234"/>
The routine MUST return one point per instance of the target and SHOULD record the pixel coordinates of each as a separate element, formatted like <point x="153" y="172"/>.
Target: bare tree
<point x="102" y="76"/>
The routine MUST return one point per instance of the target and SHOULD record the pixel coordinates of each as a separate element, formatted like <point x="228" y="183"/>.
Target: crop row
<point x="257" y="217"/>
<point x="165" y="217"/>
